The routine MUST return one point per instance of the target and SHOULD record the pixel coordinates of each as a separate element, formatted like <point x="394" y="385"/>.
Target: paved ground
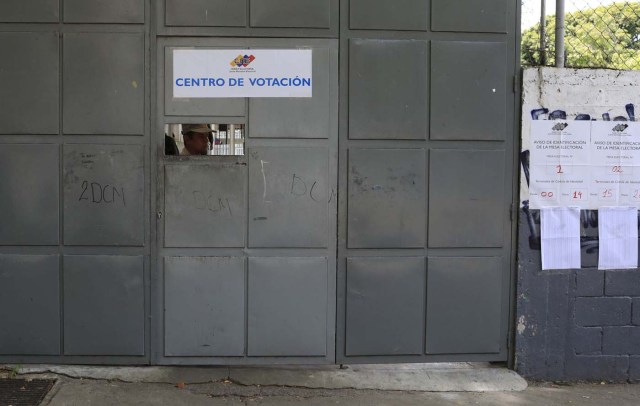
<point x="435" y="384"/>
<point x="71" y="392"/>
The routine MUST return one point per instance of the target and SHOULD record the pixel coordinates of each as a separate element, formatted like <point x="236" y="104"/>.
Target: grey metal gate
<point x="376" y="229"/>
<point x="427" y="138"/>
<point x="247" y="244"/>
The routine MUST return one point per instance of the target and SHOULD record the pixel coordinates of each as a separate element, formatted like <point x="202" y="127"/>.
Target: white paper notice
<point x="560" y="235"/>
<point x="618" y="233"/>
<point x="615" y="160"/>
<point x="560" y="160"/>
<point x="201" y="73"/>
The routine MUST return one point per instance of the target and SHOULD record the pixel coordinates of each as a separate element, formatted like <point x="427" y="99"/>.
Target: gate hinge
<point x="512" y="212"/>
<point x="516" y="84"/>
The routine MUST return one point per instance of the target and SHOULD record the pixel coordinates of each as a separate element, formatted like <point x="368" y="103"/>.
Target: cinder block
<point x="587" y="340"/>
<point x="558" y="323"/>
<point x="634" y="369"/>
<point x="589" y="282"/>
<point x="621" y="341"/>
<point x="597" y="368"/>
<point x="622" y="283"/>
<point x="636" y="311"/>
<point x="603" y="311"/>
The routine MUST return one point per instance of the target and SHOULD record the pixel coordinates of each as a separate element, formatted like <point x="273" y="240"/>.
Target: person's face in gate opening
<point x="196" y="143"/>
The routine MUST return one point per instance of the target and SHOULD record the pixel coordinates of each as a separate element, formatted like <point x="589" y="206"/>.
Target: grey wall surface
<point x="579" y="324"/>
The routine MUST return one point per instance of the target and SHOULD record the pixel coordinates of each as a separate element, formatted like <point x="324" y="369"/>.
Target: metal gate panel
<point x="288" y="197"/>
<point x="205" y="306"/>
<point x="203" y="210"/>
<point x="285" y="233"/>
<point x="477" y="87"/>
<point x="471" y="15"/>
<point x="104" y="11"/>
<point x="387" y="98"/>
<point x="464" y="309"/>
<point x="29" y="305"/>
<point x="385" y="306"/>
<point x="466" y="208"/>
<point x="389" y="15"/>
<point x="387" y="201"/>
<point x="288" y="307"/>
<point x="103" y="94"/>
<point x="33" y="68"/>
<point x="33" y="11"/>
<point x="301" y="117"/>
<point x="227" y="107"/>
<point x="441" y="93"/>
<point x="206" y="13"/>
<point x="91" y="288"/>
<point x="290" y="13"/>
<point x="103" y="305"/>
<point x="33" y="178"/>
<point x="104" y="195"/>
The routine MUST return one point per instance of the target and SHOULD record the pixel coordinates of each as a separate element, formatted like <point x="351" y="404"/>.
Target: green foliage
<point x="603" y="37"/>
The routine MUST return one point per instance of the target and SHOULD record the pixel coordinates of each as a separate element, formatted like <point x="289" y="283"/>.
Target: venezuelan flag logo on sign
<point x="242" y="61"/>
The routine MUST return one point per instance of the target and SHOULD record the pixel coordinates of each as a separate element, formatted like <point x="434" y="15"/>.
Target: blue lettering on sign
<point x="201" y="82"/>
<point x="280" y="82"/>
<point x="239" y="82"/>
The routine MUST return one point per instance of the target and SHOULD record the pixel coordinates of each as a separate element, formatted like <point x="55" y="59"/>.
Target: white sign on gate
<point x="217" y="73"/>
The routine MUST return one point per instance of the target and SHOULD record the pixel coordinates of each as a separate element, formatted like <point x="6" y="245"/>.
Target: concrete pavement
<point x="314" y="386"/>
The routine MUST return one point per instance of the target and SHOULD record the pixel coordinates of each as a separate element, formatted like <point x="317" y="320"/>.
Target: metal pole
<point x="543" y="30"/>
<point x="560" y="33"/>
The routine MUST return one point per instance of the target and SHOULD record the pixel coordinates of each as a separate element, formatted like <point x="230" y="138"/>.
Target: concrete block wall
<point x="575" y="325"/>
<point x="581" y="324"/>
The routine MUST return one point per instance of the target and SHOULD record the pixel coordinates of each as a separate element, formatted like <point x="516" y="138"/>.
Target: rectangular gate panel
<point x="387" y="200"/>
<point x="291" y="13"/>
<point x="204" y="306"/>
<point x="103" y="305"/>
<point x="288" y="197"/>
<point x="104" y="83"/>
<point x="29" y="305"/>
<point x="221" y="107"/>
<point x="298" y="117"/>
<point x="29" y="194"/>
<point x="387" y="95"/>
<point x="385" y="306"/>
<point x="30" y="66"/>
<point x="205" y="205"/>
<point x="104" y="11"/>
<point x="389" y="15"/>
<point x="32" y="11"/>
<point x="469" y="99"/>
<point x="466" y="191"/>
<point x="206" y="13"/>
<point x="104" y="195"/>
<point x="469" y="15"/>
<point x="464" y="308"/>
<point x="288" y="307"/>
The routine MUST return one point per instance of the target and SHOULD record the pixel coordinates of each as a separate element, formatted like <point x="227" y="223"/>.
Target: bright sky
<point x="531" y="8"/>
